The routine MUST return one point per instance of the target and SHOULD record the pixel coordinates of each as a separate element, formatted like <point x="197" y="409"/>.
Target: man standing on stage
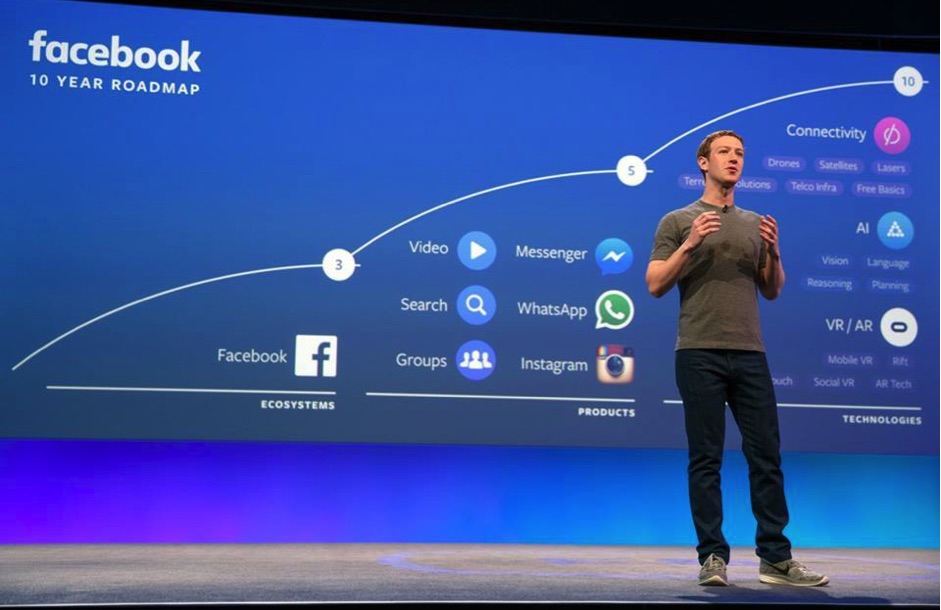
<point x="720" y="256"/>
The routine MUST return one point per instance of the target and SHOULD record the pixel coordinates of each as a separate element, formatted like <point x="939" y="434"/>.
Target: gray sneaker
<point x="790" y="572"/>
<point x="712" y="573"/>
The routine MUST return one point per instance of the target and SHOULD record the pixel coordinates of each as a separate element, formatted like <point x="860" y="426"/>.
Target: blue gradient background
<point x="314" y="134"/>
<point x="173" y="492"/>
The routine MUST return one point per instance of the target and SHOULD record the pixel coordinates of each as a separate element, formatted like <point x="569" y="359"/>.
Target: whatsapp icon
<point x="614" y="310"/>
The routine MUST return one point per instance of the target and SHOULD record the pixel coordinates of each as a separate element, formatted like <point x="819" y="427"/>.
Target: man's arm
<point x="771" y="276"/>
<point x="663" y="274"/>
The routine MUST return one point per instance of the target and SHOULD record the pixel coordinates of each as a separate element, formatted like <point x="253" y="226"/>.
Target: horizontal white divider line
<point x="799" y="405"/>
<point x="89" y="388"/>
<point x="501" y="397"/>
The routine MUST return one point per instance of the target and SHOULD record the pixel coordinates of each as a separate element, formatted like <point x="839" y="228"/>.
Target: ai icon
<point x="896" y="230"/>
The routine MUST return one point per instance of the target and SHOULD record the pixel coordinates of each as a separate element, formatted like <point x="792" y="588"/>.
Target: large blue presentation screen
<point x="264" y="228"/>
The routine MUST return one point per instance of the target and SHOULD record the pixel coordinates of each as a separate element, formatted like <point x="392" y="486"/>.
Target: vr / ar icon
<point x="615" y="363"/>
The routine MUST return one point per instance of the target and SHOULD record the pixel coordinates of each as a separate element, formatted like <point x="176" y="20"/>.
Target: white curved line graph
<point x="442" y="206"/>
<point x="293" y="267"/>
<point x="759" y="104"/>
<point x="157" y="296"/>
<point x="478" y="194"/>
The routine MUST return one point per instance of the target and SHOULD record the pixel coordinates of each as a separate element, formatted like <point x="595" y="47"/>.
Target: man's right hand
<point x="705" y="224"/>
<point x="662" y="274"/>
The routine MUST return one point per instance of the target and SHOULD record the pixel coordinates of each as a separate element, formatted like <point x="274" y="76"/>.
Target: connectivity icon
<point x="613" y="255"/>
<point x="892" y="135"/>
<point x="614" y="310"/>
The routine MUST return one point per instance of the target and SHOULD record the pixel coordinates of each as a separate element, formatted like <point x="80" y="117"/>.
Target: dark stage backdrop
<point x="311" y="278"/>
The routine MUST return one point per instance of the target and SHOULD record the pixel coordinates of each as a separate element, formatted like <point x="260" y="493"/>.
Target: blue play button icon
<point x="477" y="250"/>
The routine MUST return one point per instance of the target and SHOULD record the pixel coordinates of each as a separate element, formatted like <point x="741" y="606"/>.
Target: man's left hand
<point x="769" y="233"/>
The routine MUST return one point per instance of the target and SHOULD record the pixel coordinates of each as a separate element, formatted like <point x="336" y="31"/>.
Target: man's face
<point x="725" y="162"/>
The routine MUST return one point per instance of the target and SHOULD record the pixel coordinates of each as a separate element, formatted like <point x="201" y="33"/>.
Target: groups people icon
<point x="476" y="360"/>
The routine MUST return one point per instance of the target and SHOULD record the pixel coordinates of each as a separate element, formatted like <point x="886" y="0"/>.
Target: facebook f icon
<point x="315" y="356"/>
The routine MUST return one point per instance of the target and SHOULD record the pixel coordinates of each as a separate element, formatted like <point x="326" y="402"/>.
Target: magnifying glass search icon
<point x="475" y="304"/>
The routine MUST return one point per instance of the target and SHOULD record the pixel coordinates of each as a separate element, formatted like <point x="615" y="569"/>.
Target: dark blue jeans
<point x="707" y="380"/>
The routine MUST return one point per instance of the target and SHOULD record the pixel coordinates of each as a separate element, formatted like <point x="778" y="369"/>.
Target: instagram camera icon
<point x="615" y="363"/>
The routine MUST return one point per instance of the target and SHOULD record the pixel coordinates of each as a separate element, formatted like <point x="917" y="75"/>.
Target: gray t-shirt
<point x="719" y="285"/>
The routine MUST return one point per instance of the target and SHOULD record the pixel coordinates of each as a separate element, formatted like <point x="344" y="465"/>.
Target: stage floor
<point x="321" y="573"/>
